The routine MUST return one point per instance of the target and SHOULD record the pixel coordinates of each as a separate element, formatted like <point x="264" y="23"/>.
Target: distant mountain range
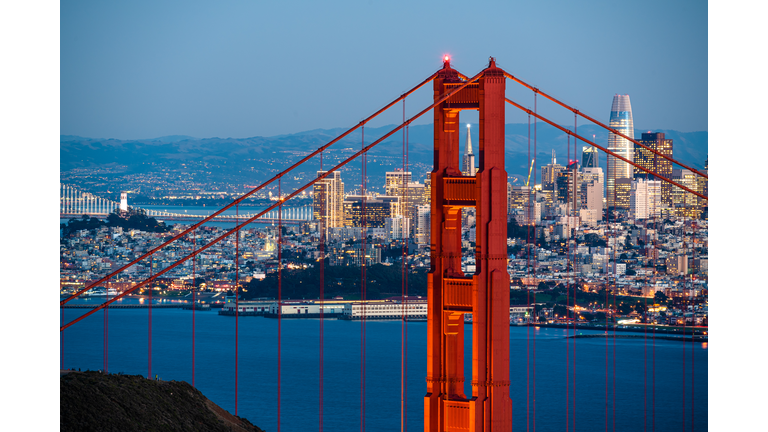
<point x="240" y="153"/>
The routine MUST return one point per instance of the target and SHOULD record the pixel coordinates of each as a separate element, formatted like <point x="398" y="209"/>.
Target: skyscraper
<point x="589" y="157"/>
<point x="468" y="165"/>
<point x="328" y="198"/>
<point x="396" y="183"/>
<point x="655" y="163"/>
<point x="549" y="175"/>
<point x="621" y="120"/>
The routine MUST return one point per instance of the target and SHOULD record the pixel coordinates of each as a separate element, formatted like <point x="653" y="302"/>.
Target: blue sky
<point x="145" y="69"/>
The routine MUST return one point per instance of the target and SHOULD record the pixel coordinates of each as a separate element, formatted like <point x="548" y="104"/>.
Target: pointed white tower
<point x="468" y="169"/>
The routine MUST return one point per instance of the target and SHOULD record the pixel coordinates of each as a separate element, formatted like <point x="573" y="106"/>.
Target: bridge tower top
<point x="451" y="293"/>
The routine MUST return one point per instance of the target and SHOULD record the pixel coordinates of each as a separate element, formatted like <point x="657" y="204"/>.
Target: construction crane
<point x="530" y="170"/>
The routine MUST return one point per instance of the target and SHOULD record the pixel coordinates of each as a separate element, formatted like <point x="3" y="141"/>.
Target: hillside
<point x="92" y="401"/>
<point x="164" y="165"/>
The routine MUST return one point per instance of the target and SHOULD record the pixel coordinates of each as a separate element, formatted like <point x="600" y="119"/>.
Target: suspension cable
<point x="194" y="302"/>
<point x="607" y="151"/>
<point x="260" y="187"/>
<point x="321" y="248"/>
<point x="279" y="294"/>
<point x="237" y="302"/>
<point x="279" y="203"/>
<point x="610" y="129"/>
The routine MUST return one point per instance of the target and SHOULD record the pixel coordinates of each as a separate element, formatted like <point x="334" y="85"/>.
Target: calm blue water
<point x="82" y="347"/>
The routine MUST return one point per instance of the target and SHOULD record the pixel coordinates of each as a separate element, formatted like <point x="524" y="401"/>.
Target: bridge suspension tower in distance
<point x="451" y="293"/>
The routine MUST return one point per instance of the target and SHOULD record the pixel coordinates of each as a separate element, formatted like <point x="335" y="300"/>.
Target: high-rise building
<point x="654" y="162"/>
<point x="520" y="197"/>
<point x="424" y="220"/>
<point x="397" y="228"/>
<point x="568" y="187"/>
<point x="685" y="203"/>
<point x="549" y="175"/>
<point x="395" y="185"/>
<point x="589" y="157"/>
<point x="468" y="165"/>
<point x="327" y="201"/>
<point x="645" y="198"/>
<point x="622" y="192"/>
<point x="592" y="191"/>
<point x="621" y="120"/>
<point x="377" y="210"/>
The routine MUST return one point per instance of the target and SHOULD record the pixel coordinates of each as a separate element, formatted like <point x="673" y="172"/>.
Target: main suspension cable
<point x="291" y="195"/>
<point x="253" y="191"/>
<point x="610" y="129"/>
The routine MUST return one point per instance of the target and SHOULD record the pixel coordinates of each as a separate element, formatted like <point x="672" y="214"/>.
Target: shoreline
<point x="697" y="331"/>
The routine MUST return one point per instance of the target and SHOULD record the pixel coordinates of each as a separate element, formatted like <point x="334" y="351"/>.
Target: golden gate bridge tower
<point x="451" y="293"/>
<point x="484" y="294"/>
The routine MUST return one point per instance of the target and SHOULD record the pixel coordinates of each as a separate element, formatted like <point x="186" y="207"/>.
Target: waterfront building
<point x="413" y="309"/>
<point x="621" y="120"/>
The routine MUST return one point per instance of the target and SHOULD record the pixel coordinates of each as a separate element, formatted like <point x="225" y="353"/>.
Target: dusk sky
<point x="146" y="69"/>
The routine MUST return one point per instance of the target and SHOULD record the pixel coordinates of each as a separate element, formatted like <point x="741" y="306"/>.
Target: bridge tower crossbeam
<point x="485" y="294"/>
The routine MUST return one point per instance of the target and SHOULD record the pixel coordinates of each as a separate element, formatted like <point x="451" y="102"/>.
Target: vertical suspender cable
<point x="615" y="287"/>
<point x="403" y="306"/>
<point x="684" y="309"/>
<point x="573" y="270"/>
<point x="528" y="219"/>
<point x="362" y="283"/>
<point x="106" y="334"/>
<point x="194" y="302"/>
<point x="693" y="316"/>
<point x="567" y="287"/>
<point x="535" y="256"/>
<point x="405" y="342"/>
<point x="607" y="309"/>
<point x="237" y="301"/>
<point x="322" y="296"/>
<point x="279" y="290"/>
<point x="653" y="355"/>
<point x="61" y="341"/>
<point x="149" y="325"/>
<point x="645" y="339"/>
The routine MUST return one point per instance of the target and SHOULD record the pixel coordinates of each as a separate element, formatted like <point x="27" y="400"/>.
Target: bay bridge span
<point x="74" y="203"/>
<point x="451" y="293"/>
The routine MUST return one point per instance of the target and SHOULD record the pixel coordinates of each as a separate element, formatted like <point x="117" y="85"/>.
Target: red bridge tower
<point x="485" y="293"/>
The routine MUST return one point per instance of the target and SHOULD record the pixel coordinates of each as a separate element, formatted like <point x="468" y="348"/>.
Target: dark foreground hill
<point x="91" y="401"/>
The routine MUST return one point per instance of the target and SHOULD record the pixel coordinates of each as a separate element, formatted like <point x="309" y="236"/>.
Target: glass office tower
<point x="621" y="120"/>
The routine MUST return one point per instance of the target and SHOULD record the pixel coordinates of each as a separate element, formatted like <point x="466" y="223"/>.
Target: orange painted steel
<point x="485" y="294"/>
<point x="610" y="129"/>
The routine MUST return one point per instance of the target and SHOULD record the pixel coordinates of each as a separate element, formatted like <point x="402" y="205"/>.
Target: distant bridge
<point x="74" y="203"/>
